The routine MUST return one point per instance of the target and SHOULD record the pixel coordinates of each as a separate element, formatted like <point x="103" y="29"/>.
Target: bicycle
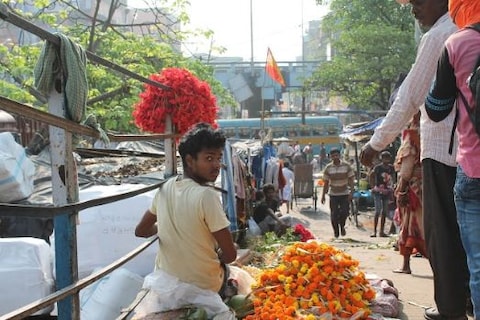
<point x="353" y="216"/>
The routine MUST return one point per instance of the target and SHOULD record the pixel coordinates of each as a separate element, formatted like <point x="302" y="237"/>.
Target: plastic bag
<point x="16" y="170"/>
<point x="386" y="300"/>
<point x="243" y="278"/>
<point x="253" y="228"/>
<point x="175" y="294"/>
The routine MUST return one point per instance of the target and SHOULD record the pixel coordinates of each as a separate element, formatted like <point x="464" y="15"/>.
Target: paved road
<point x="376" y="255"/>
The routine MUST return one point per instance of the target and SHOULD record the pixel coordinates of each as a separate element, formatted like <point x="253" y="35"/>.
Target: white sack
<point x="16" y="170"/>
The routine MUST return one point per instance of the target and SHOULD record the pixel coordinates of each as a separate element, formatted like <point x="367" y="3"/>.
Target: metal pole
<point x="251" y="40"/>
<point x="303" y="72"/>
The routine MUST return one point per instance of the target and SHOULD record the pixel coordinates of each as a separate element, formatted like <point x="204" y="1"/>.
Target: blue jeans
<point x="467" y="202"/>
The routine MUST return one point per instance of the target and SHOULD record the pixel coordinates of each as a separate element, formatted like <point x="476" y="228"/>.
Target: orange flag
<point x="272" y="69"/>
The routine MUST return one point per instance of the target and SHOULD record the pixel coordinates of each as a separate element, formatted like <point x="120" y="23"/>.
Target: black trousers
<point x="442" y="237"/>
<point x="339" y="208"/>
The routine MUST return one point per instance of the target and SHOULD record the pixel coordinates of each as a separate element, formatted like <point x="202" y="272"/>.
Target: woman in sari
<point x="409" y="195"/>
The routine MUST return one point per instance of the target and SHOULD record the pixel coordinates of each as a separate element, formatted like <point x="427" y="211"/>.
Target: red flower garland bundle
<point x="189" y="101"/>
<point x="303" y="232"/>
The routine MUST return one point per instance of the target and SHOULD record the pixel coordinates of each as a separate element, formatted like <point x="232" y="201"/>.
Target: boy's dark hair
<point x="201" y="136"/>
<point x="259" y="195"/>
<point x="268" y="186"/>
<point x="385" y="154"/>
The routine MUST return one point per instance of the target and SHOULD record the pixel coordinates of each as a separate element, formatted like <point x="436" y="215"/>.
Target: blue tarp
<point x="360" y="133"/>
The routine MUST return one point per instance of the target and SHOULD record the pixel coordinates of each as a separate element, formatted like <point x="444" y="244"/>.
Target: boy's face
<point x="385" y="160"/>
<point x="206" y="167"/>
<point x="270" y="194"/>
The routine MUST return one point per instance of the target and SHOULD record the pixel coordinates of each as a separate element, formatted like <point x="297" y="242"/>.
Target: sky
<point x="276" y="24"/>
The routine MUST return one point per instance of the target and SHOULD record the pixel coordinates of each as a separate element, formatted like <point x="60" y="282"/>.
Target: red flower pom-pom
<point x="303" y="232"/>
<point x="189" y="101"/>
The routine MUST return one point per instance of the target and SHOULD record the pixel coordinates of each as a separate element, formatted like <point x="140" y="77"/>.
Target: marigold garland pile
<point x="313" y="280"/>
<point x="188" y="102"/>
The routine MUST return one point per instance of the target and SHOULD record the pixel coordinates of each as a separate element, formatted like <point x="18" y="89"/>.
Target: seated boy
<point x="195" y="242"/>
<point x="265" y="216"/>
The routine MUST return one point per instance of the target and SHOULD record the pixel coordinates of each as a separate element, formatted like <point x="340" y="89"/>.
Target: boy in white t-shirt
<point x="195" y="242"/>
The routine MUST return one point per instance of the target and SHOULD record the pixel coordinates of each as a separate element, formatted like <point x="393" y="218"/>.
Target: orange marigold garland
<point x="312" y="281"/>
<point x="189" y="101"/>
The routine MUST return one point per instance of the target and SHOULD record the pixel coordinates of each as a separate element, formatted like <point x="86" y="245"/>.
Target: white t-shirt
<point x="187" y="214"/>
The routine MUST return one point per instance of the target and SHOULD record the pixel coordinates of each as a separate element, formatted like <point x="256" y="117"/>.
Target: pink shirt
<point x="463" y="50"/>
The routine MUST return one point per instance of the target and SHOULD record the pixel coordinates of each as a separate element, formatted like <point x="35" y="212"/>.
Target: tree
<point x="372" y="42"/>
<point x="144" y="47"/>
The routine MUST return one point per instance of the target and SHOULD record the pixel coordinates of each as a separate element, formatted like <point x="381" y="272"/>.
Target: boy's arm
<point x="371" y="178"/>
<point x="147" y="226"/>
<point x="271" y="213"/>
<point x="228" y="251"/>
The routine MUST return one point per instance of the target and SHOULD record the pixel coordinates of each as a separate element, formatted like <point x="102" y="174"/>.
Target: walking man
<point x="339" y="183"/>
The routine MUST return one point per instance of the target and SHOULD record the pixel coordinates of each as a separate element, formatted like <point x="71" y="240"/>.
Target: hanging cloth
<point x="70" y="61"/>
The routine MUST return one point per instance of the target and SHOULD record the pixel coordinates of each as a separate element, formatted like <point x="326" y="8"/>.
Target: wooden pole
<point x="170" y="150"/>
<point x="64" y="190"/>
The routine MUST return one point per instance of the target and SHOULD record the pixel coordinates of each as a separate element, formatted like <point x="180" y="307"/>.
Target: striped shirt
<point x="434" y="136"/>
<point x="338" y="176"/>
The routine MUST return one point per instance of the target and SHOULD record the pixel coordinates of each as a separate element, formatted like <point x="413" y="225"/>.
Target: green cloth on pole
<point x="69" y="62"/>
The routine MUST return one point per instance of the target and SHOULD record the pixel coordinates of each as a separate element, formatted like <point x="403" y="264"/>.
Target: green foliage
<point x="111" y="95"/>
<point x="372" y="42"/>
<point x="270" y="241"/>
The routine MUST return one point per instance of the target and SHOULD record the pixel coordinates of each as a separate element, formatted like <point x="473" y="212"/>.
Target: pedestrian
<point x="409" y="195"/>
<point x="323" y="155"/>
<point x="442" y="237"/>
<point x="458" y="58"/>
<point x="338" y="178"/>
<point x="308" y="152"/>
<point x="289" y="182"/>
<point x="195" y="243"/>
<point x="382" y="178"/>
<point x="284" y="150"/>
<point x="298" y="158"/>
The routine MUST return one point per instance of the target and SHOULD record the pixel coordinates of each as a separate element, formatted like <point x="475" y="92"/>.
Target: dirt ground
<point x="376" y="255"/>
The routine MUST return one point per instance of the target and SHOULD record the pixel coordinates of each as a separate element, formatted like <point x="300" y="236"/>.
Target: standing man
<point x="323" y="155"/>
<point x="308" y="152"/>
<point x="339" y="183"/>
<point x="460" y="56"/>
<point x="442" y="237"/>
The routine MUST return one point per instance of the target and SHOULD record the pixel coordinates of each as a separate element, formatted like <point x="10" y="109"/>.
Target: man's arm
<point x="228" y="251"/>
<point x="147" y="226"/>
<point x="441" y="98"/>
<point x="411" y="95"/>
<point x="324" y="190"/>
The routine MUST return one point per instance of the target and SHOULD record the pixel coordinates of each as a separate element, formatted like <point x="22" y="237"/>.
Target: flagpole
<point x="262" y="116"/>
<point x="251" y="41"/>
